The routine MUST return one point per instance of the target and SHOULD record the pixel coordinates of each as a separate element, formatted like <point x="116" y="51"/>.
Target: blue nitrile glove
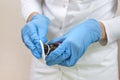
<point x="34" y="31"/>
<point x="74" y="43"/>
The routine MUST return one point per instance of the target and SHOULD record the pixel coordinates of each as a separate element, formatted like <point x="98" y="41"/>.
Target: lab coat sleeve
<point x="112" y="28"/>
<point x="29" y="6"/>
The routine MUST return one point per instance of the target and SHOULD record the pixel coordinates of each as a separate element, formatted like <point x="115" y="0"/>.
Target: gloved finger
<point x="36" y="42"/>
<point x="36" y="53"/>
<point x="31" y="46"/>
<point x="71" y="61"/>
<point x="28" y="42"/>
<point x="42" y="33"/>
<point x="56" y="53"/>
<point x="68" y="62"/>
<point x="39" y="49"/>
<point x="60" y="59"/>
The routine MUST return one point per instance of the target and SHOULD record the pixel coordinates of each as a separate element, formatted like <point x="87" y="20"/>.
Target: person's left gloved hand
<point x="74" y="43"/>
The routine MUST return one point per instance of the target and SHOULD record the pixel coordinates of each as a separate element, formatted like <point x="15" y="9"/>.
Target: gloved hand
<point x="74" y="43"/>
<point x="34" y="31"/>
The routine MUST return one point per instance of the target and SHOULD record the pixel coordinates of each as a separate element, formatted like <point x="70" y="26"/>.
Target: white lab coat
<point x="99" y="62"/>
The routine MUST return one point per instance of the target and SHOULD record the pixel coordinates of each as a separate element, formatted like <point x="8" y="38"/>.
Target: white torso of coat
<point x="64" y="14"/>
<point x="98" y="61"/>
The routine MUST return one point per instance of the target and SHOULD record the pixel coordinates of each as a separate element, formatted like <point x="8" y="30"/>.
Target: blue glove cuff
<point x="94" y="26"/>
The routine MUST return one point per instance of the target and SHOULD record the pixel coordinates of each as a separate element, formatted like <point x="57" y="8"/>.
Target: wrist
<point x="31" y="15"/>
<point x="36" y="15"/>
<point x="103" y="36"/>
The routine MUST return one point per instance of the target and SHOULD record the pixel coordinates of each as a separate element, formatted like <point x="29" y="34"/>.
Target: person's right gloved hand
<point x="34" y="31"/>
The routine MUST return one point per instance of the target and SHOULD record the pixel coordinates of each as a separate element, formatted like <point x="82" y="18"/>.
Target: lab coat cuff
<point x="109" y="25"/>
<point x="28" y="8"/>
<point x="26" y="13"/>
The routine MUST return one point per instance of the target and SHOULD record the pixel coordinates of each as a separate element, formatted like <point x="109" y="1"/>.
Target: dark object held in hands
<point x="50" y="47"/>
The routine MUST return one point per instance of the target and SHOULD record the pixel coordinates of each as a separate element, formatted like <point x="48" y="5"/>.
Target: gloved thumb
<point x="43" y="39"/>
<point x="59" y="39"/>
